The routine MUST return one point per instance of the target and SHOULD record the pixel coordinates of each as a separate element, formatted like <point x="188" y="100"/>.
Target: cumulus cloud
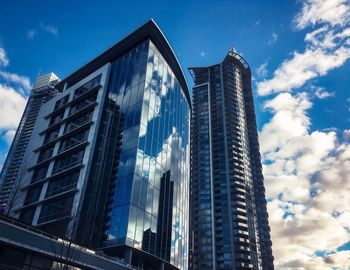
<point x="332" y="12"/>
<point x="307" y="177"/>
<point x="9" y="135"/>
<point x="293" y="73"/>
<point x="11" y="107"/>
<point x="327" y="47"/>
<point x="303" y="232"/>
<point x="307" y="172"/>
<point x="13" y="97"/>
<point x="4" y="61"/>
<point x="346" y="134"/>
<point x="13" y="78"/>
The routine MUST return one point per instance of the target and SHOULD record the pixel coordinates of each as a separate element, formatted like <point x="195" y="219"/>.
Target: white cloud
<point x="21" y="81"/>
<point x="261" y="71"/>
<point x="304" y="232"/>
<point x="274" y="38"/>
<point x="4" y="61"/>
<point x="327" y="46"/>
<point x="346" y="134"/>
<point x="293" y="73"/>
<point x="13" y="91"/>
<point x="203" y="54"/>
<point x="333" y="12"/>
<point x="31" y="34"/>
<point x="307" y="172"/>
<point x="321" y="92"/>
<point x="11" y="107"/>
<point x="307" y="176"/>
<point x="49" y="28"/>
<point x="9" y="134"/>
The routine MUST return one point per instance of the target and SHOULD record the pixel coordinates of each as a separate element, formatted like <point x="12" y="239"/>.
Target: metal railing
<point x="60" y="240"/>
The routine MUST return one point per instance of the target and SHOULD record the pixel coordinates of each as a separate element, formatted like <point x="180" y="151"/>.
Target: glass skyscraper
<point x="108" y="163"/>
<point x="229" y="221"/>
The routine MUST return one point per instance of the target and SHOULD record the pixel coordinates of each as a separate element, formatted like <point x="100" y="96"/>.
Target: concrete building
<point x="107" y="164"/>
<point x="15" y="163"/>
<point x="229" y="221"/>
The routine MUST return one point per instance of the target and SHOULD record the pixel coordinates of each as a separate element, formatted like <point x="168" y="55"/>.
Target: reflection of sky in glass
<point x="163" y="146"/>
<point x="155" y="143"/>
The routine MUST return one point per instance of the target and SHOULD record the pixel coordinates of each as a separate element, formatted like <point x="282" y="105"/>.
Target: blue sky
<point x="298" y="52"/>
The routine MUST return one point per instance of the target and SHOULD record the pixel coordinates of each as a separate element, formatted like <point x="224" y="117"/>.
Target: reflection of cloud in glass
<point x="164" y="103"/>
<point x="150" y="107"/>
<point x="176" y="160"/>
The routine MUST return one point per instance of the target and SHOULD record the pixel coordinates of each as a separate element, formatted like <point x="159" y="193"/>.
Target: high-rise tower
<point x="109" y="159"/>
<point x="229" y="222"/>
<point x="14" y="166"/>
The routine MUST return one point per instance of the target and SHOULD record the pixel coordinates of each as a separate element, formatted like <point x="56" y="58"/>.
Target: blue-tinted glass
<point x="124" y="221"/>
<point x="130" y="118"/>
<point x="122" y="77"/>
<point x="139" y="228"/>
<point x="136" y="190"/>
<point x="114" y="230"/>
<point x="155" y="202"/>
<point x="149" y="201"/>
<point x="145" y="168"/>
<point x="139" y="162"/>
<point x="146" y="232"/>
<point x="134" y="95"/>
<point x="143" y="195"/>
<point x="155" y="138"/>
<point x="130" y="73"/>
<point x="148" y="143"/>
<point x="118" y="199"/>
<point x="132" y="222"/>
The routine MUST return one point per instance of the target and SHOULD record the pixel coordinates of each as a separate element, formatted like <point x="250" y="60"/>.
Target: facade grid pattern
<point x="234" y="196"/>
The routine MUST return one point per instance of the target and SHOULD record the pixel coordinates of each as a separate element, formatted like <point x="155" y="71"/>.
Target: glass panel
<point x="132" y="222"/>
<point x="143" y="195"/>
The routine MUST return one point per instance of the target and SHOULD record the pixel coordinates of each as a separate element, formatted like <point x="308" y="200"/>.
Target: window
<point x="33" y="194"/>
<point x="68" y="161"/>
<point x="78" y="121"/>
<point x="61" y="102"/>
<point x="88" y="86"/>
<point x="27" y="215"/>
<point x="56" y="209"/>
<point x="56" y="119"/>
<point x="51" y="135"/>
<point x="45" y="154"/>
<point x="83" y="104"/>
<point x="39" y="173"/>
<point x="60" y="185"/>
<point x="73" y="140"/>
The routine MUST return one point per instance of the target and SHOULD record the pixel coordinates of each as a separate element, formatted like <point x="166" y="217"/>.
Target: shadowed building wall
<point x="229" y="222"/>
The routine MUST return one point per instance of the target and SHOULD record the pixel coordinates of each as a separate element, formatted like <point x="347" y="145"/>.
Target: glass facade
<point x="109" y="159"/>
<point x="142" y="154"/>
<point x="149" y="209"/>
